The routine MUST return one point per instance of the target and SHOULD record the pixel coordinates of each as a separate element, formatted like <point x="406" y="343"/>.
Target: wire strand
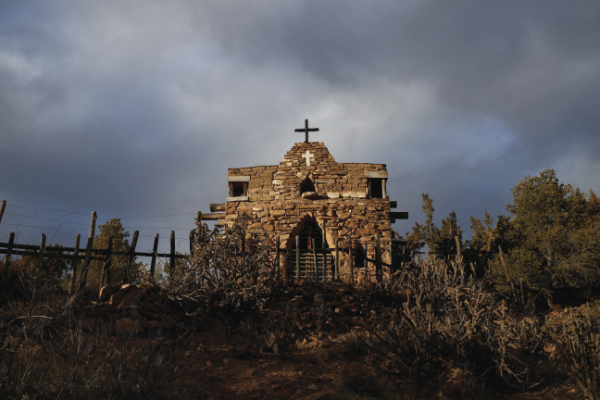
<point x="84" y="229"/>
<point x="107" y="219"/>
<point x="157" y="216"/>
<point x="47" y="209"/>
<point x="43" y="227"/>
<point x="47" y="219"/>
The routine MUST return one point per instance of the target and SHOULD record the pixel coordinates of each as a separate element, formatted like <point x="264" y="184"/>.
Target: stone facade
<point x="349" y="199"/>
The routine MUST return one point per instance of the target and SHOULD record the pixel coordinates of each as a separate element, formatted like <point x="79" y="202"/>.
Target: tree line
<point x="550" y="239"/>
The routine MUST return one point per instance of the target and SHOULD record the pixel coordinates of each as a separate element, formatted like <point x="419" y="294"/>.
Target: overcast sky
<point x="138" y="108"/>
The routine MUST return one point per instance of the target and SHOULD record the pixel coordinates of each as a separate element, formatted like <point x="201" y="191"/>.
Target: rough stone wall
<point x="277" y="207"/>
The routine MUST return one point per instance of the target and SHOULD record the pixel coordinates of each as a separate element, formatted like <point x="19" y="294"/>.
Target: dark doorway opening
<point x="308" y="261"/>
<point x="311" y="230"/>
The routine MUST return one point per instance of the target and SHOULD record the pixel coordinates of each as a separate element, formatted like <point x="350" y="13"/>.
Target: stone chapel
<point x="310" y="200"/>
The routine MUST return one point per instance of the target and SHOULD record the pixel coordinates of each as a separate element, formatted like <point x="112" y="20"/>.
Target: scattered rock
<point x="107" y="291"/>
<point x="116" y="299"/>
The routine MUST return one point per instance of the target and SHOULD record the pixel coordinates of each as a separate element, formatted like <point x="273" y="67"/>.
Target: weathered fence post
<point x="298" y="257"/>
<point x="324" y="234"/>
<point x="337" y="261"/>
<point x="365" y="265"/>
<point x="324" y="255"/>
<point x="74" y="262"/>
<point x="192" y="237"/>
<point x="105" y="275"/>
<point x="392" y="269"/>
<point x="11" y="242"/>
<point x="277" y="272"/>
<point x="39" y="266"/>
<point x="154" y="250"/>
<point x="41" y="252"/>
<point x="350" y="265"/>
<point x="378" y="269"/>
<point x="2" y="208"/>
<point x="88" y="252"/>
<point x="315" y="259"/>
<point x="131" y="253"/>
<point x="172" y="255"/>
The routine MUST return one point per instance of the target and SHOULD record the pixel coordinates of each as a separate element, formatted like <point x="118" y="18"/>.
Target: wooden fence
<point x="319" y="260"/>
<point x="89" y="253"/>
<point x="292" y="267"/>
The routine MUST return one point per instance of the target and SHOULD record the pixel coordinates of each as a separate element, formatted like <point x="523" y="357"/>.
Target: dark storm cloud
<point x="142" y="107"/>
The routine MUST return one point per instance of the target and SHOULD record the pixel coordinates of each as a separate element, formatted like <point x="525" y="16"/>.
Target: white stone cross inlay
<point x="308" y="156"/>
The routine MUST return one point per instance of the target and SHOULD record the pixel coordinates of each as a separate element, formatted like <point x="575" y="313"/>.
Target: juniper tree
<point x="118" y="263"/>
<point x="552" y="237"/>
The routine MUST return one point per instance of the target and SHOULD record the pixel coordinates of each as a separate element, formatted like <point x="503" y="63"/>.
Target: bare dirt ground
<point x="320" y="369"/>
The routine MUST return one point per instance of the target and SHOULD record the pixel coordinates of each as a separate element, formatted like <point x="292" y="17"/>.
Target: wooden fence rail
<point x="11" y="249"/>
<point x="353" y="256"/>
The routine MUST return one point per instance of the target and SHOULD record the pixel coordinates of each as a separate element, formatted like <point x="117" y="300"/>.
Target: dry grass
<point x="452" y="325"/>
<point x="576" y="336"/>
<point x="225" y="274"/>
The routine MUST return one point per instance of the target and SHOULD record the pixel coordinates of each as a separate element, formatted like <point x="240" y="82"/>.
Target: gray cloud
<point x="143" y="107"/>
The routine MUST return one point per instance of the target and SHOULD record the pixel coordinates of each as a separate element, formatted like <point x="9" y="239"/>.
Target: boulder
<point x="149" y="287"/>
<point x="116" y="299"/>
<point x="126" y="287"/>
<point x="108" y="291"/>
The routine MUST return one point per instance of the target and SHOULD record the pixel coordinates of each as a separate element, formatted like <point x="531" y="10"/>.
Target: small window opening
<point x="307" y="186"/>
<point x="376" y="188"/>
<point x="237" y="189"/>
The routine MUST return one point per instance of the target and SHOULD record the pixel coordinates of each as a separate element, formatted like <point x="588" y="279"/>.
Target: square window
<point x="376" y="188"/>
<point x="238" y="189"/>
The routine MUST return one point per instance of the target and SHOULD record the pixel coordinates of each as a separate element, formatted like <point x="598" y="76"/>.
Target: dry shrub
<point x="273" y="331"/>
<point x="450" y="321"/>
<point x="24" y="280"/>
<point x="73" y="364"/>
<point x="577" y="339"/>
<point x="226" y="273"/>
<point x="142" y="367"/>
<point x="517" y="345"/>
<point x="282" y="330"/>
<point x="42" y="357"/>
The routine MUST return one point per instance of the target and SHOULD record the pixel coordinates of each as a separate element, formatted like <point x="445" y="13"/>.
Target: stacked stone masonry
<point x="340" y="201"/>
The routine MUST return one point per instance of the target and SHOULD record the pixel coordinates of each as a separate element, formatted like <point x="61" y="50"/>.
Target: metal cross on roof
<point x="306" y="130"/>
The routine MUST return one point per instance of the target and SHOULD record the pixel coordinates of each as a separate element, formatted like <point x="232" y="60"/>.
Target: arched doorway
<point x="306" y="246"/>
<point x="310" y="232"/>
